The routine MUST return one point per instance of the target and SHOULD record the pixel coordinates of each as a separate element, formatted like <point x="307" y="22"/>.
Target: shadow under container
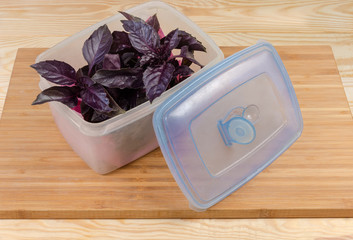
<point x="118" y="141"/>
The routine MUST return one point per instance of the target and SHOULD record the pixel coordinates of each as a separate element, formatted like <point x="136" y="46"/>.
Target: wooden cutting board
<point x="41" y="177"/>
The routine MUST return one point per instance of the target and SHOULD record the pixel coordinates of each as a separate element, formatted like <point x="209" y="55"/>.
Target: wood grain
<point x="40" y="176"/>
<point x="27" y="26"/>
<point x="175" y="229"/>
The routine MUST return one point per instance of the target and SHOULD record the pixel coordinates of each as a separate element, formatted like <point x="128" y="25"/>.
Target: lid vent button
<point x="237" y="126"/>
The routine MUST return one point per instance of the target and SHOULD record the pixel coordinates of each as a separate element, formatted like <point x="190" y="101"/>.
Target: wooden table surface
<point x="39" y="23"/>
<point x="46" y="179"/>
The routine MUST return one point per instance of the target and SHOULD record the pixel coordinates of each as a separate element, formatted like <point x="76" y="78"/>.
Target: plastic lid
<point x="231" y="122"/>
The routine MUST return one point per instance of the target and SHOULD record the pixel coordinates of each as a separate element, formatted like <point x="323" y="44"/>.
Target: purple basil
<point x="153" y="21"/>
<point x="157" y="79"/>
<point x="121" y="42"/>
<point x="183" y="70"/>
<point x="188" y="40"/>
<point x="56" y="72"/>
<point x="129" y="59"/>
<point x="171" y="41"/>
<point x="96" y="97"/>
<point x="111" y="62"/>
<point x="94" y="116"/>
<point x="82" y="72"/>
<point x="130" y="17"/>
<point x="123" y="78"/>
<point x="84" y="82"/>
<point x="96" y="46"/>
<point x="125" y="98"/>
<point x="148" y="58"/>
<point x="90" y="115"/>
<point x="65" y="95"/>
<point x="125" y="69"/>
<point x="186" y="54"/>
<point x="142" y="36"/>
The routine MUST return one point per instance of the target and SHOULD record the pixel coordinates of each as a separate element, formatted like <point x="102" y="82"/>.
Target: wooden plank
<point x="227" y="16"/>
<point x="40" y="176"/>
<point x="176" y="229"/>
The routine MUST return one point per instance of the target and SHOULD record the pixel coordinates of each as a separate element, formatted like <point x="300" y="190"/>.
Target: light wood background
<point x="42" y="23"/>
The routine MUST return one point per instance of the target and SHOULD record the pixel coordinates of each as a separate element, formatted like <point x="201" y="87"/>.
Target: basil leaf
<point x="156" y="79"/>
<point x="65" y="95"/>
<point x="188" y="40"/>
<point x="123" y="78"/>
<point x="189" y="56"/>
<point x="153" y="21"/>
<point x="142" y="36"/>
<point x="120" y="42"/>
<point x="183" y="70"/>
<point x="96" y="46"/>
<point x="171" y="41"/>
<point x="84" y="82"/>
<point x="130" y="17"/>
<point x="111" y="62"/>
<point x="96" y="97"/>
<point x="56" y="72"/>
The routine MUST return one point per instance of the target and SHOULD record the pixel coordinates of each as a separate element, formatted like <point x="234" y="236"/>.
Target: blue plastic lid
<point x="222" y="129"/>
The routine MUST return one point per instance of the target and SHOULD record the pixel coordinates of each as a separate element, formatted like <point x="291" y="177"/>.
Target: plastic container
<point x="228" y="124"/>
<point x="111" y="144"/>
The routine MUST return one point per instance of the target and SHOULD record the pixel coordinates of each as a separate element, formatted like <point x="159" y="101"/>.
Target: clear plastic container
<point x="226" y="126"/>
<point x="111" y="144"/>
